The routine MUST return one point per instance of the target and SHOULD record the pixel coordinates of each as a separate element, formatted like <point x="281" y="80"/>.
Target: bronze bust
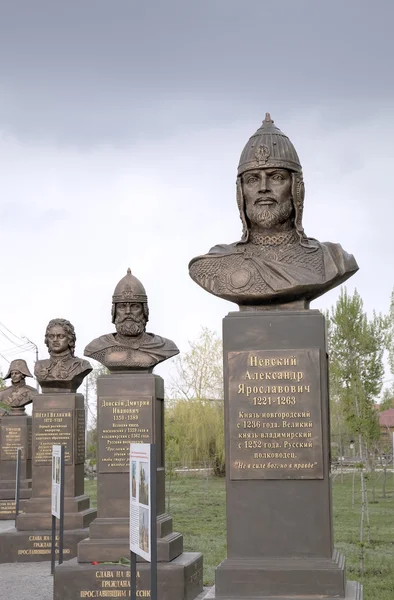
<point x="18" y="394"/>
<point x="62" y="372"/>
<point x="274" y="264"/>
<point x="131" y="348"/>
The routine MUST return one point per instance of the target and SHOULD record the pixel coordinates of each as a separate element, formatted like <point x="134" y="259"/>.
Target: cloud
<point x="121" y="127"/>
<point x="93" y="72"/>
<point x="83" y="217"/>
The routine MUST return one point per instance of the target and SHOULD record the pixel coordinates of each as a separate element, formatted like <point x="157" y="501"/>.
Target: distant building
<point x="386" y="423"/>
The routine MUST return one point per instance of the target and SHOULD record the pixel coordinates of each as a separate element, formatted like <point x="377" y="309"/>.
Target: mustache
<point x="264" y="198"/>
<point x="129" y="318"/>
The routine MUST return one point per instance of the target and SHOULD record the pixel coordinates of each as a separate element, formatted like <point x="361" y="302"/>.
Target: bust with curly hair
<point x="63" y="371"/>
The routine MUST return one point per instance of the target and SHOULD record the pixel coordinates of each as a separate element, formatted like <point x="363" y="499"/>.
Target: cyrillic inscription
<point x="122" y="420"/>
<point x="41" y="545"/>
<point x="52" y="427"/>
<point x="275" y="414"/>
<point x="114" y="584"/>
<point x="12" y="438"/>
<point x="79" y="436"/>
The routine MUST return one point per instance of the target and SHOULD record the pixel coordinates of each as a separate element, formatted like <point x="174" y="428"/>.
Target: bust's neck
<point x="263" y="238"/>
<point x="128" y="339"/>
<point x="19" y="384"/>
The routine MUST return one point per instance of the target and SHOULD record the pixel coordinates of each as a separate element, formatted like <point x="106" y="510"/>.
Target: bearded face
<point x="130" y="319"/>
<point x="268" y="202"/>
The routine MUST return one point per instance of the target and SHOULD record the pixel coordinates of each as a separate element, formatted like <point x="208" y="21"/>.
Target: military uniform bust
<point x="18" y="394"/>
<point x="63" y="371"/>
<point x="274" y="264"/>
<point x="131" y="348"/>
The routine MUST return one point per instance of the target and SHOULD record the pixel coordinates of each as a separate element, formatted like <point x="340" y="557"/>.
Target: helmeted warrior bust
<point x="18" y="394"/>
<point x="131" y="348"/>
<point x="63" y="371"/>
<point x="274" y="263"/>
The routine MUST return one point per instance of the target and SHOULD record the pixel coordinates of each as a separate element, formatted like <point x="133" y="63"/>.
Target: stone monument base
<point x="34" y="546"/>
<point x="7" y="507"/>
<point x="7" y="498"/>
<point x="15" y="432"/>
<point x="180" y="579"/>
<point x="354" y="591"/>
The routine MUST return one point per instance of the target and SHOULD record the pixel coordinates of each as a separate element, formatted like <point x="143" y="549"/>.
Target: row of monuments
<point x="278" y="493"/>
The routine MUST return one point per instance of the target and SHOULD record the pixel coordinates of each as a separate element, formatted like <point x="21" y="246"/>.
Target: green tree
<point x="91" y="403"/>
<point x="195" y="433"/>
<point x="194" y="415"/>
<point x="387" y="400"/>
<point x="356" y="347"/>
<point x="199" y="372"/>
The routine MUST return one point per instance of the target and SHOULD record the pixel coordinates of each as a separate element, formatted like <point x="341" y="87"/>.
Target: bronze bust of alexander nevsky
<point x="274" y="265"/>
<point x="131" y="348"/>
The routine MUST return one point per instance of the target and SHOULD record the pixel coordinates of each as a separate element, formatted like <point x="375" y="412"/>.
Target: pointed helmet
<point x="18" y="365"/>
<point x="129" y="289"/>
<point x="270" y="148"/>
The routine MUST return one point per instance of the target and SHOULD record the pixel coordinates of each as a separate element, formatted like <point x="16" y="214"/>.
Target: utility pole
<point x="36" y="349"/>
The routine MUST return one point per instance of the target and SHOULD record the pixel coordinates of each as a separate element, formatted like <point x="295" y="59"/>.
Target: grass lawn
<point x="197" y="506"/>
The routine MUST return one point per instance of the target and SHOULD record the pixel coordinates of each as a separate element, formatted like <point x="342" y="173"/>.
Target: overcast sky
<point x="121" y="127"/>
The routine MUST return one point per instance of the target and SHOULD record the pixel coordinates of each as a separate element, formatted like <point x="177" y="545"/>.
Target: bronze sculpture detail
<point x="274" y="264"/>
<point x="131" y="348"/>
<point x="63" y="371"/>
<point x="18" y="394"/>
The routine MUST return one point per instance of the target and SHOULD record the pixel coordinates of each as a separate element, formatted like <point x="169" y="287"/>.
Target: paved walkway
<point x="24" y="581"/>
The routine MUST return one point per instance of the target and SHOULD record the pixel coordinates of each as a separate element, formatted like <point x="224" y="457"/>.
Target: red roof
<point x="386" y="418"/>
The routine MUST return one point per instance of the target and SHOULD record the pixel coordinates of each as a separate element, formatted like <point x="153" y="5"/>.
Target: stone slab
<point x="30" y="546"/>
<point x="29" y="521"/>
<point x="180" y="579"/>
<point x="7" y="508"/>
<point x="113" y="549"/>
<point x="354" y="591"/>
<point x="24" y="581"/>
<point x="276" y="576"/>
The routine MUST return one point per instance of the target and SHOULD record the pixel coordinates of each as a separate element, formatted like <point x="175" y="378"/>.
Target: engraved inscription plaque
<point x="122" y="420"/>
<point x="79" y="436"/>
<point x="12" y="438"/>
<point x="52" y="427"/>
<point x="274" y="409"/>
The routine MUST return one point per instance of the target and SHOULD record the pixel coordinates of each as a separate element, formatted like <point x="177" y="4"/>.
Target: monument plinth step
<point x="119" y="527"/>
<point x="71" y="504"/>
<point x="89" y="550"/>
<point x="32" y="546"/>
<point x="281" y="576"/>
<point x="7" y="484"/>
<point x="75" y="520"/>
<point x="10" y="494"/>
<point x="180" y="579"/>
<point x="354" y="591"/>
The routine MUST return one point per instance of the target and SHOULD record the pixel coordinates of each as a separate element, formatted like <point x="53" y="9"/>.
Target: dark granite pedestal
<point x="279" y="515"/>
<point x="130" y="409"/>
<point x="58" y="418"/>
<point x="15" y="432"/>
